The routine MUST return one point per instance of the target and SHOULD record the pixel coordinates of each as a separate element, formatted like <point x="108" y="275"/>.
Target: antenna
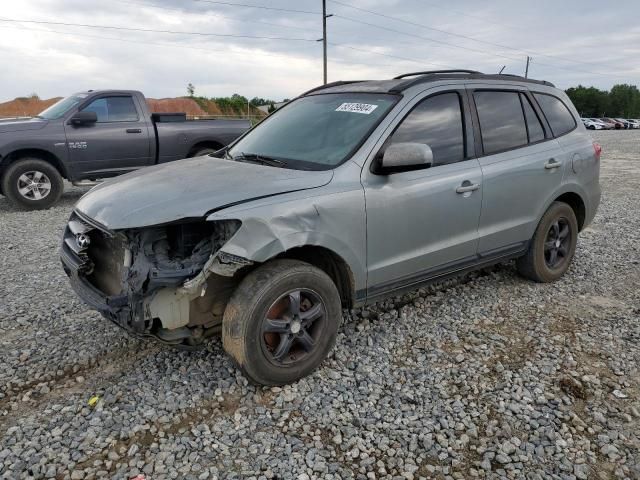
<point x="503" y="67"/>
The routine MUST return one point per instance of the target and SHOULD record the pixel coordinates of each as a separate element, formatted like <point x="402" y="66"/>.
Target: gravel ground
<point x="485" y="376"/>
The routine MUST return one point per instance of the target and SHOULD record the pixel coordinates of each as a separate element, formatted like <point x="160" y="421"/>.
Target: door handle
<point x="552" y="163"/>
<point x="134" y="130"/>
<point x="467" y="186"/>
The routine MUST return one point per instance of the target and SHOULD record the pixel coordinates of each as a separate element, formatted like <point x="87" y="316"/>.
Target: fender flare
<point x="572" y="188"/>
<point x="41" y="153"/>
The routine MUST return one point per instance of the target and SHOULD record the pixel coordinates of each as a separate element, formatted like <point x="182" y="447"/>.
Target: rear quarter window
<point x="558" y="115"/>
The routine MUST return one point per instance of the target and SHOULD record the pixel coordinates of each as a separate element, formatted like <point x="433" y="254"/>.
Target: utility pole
<point x="324" y="39"/>
<point x="526" y="71"/>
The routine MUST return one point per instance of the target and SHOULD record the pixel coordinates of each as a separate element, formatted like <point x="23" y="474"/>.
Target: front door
<point x="118" y="142"/>
<point x="424" y="222"/>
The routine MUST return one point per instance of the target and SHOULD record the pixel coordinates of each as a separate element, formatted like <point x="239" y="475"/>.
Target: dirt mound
<point x="172" y="105"/>
<point x="25" y="106"/>
<point x="30" y="106"/>
<point x="209" y="106"/>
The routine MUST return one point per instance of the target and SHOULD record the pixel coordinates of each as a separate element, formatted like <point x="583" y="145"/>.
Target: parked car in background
<point x="605" y="125"/>
<point x="592" y="125"/>
<point x="268" y="243"/>
<point x="612" y="122"/>
<point x="625" y="123"/>
<point x="635" y="123"/>
<point x="94" y="135"/>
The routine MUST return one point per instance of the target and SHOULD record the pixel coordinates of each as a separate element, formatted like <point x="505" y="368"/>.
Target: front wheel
<point x="281" y="322"/>
<point x="553" y="245"/>
<point x="32" y="184"/>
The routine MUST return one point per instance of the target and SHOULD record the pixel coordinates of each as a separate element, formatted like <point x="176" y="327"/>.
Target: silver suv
<point x="349" y="193"/>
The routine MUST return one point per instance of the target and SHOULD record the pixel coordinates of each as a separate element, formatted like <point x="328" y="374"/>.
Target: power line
<point x="477" y="17"/>
<point x="462" y="36"/>
<point x="262" y="7"/>
<point x="153" y="5"/>
<point x="131" y="29"/>
<point x="441" y="42"/>
<point x="407" y="59"/>
<point x="144" y="42"/>
<point x="448" y="44"/>
<point x="475" y="50"/>
<point x="189" y="47"/>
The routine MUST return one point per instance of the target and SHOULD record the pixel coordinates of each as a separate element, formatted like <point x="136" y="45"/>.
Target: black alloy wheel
<point x="291" y="328"/>
<point x="557" y="243"/>
<point x="281" y="321"/>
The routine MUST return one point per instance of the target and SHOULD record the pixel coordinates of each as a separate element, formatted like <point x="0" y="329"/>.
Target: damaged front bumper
<point x="169" y="282"/>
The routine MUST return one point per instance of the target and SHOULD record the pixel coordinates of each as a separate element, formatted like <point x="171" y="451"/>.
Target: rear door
<point x="522" y="166"/>
<point x="118" y="142"/>
<point x="423" y="222"/>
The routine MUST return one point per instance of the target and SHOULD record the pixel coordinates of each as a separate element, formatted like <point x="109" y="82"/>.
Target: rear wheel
<point x="32" y="184"/>
<point x="203" y="151"/>
<point x="553" y="245"/>
<point x="281" y="322"/>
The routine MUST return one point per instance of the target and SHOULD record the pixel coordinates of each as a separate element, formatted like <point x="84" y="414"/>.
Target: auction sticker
<point x="365" y="108"/>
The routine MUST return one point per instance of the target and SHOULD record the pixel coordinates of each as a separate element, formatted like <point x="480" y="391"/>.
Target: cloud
<point x="571" y="42"/>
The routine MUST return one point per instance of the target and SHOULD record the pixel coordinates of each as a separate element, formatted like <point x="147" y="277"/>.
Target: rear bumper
<point x="594" y="203"/>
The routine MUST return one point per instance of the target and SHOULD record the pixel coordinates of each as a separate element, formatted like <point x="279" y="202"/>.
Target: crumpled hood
<point x="188" y="189"/>
<point x="21" y="124"/>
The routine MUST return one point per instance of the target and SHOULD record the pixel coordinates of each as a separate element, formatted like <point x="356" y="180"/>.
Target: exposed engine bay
<point x="171" y="282"/>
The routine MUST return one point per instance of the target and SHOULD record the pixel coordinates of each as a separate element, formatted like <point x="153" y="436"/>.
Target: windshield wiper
<point x="261" y="159"/>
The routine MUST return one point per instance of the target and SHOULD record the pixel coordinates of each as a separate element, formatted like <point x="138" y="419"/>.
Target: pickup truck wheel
<point x="281" y="322"/>
<point x="32" y="184"/>
<point x="202" y="151"/>
<point x="553" y="245"/>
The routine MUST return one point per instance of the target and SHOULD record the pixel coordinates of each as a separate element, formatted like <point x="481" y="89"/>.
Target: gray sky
<point x="571" y="41"/>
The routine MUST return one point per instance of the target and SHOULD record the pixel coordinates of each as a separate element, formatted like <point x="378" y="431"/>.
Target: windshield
<point x="317" y="132"/>
<point x="61" y="107"/>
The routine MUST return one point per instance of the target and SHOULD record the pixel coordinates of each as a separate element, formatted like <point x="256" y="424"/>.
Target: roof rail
<point x="457" y="70"/>
<point x="329" y="85"/>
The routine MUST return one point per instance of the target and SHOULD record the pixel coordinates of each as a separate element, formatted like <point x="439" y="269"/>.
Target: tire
<point x="21" y="176"/>
<point x="202" y="151"/>
<point x="259" y="346"/>
<point x="539" y="263"/>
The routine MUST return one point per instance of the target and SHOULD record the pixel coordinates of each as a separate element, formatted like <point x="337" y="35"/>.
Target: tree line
<point x="622" y="101"/>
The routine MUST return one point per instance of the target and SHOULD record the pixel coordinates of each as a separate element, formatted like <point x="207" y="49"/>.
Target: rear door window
<point x="437" y="122"/>
<point x="534" y="126"/>
<point x="558" y="115"/>
<point x="113" y="109"/>
<point x="502" y="124"/>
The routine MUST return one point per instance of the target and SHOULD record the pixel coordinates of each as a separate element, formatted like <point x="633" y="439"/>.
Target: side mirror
<point x="83" y="118"/>
<point x="406" y="156"/>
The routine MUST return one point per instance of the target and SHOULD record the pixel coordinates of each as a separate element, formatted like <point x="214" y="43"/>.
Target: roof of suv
<point x="403" y="82"/>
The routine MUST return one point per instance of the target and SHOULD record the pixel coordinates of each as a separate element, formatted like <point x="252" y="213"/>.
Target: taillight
<point x="597" y="149"/>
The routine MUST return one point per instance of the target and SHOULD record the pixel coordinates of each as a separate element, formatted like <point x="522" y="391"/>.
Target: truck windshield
<point x="61" y="107"/>
<point x="316" y="132"/>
